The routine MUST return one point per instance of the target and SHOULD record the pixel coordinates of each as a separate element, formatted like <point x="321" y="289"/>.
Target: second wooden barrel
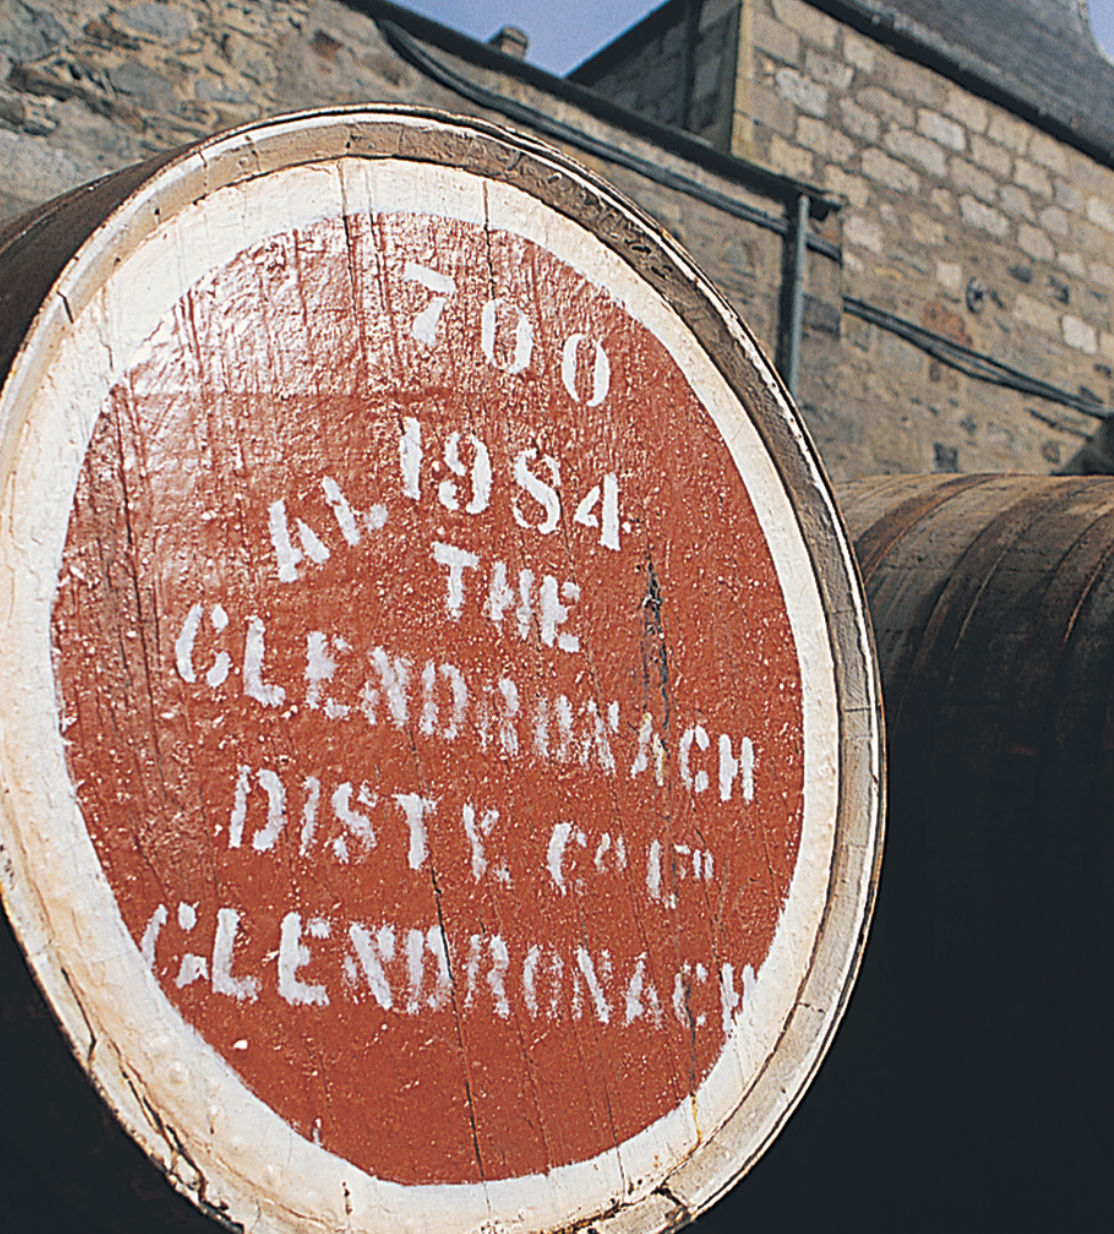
<point x="969" y="1085"/>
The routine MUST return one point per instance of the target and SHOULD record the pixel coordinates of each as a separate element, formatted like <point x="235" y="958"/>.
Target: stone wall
<point x="88" y="86"/>
<point x="960" y="217"/>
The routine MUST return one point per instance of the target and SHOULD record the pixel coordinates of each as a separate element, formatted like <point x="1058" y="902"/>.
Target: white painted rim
<point x="253" y="1165"/>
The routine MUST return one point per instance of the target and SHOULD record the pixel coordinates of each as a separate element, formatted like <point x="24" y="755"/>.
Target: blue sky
<point x="565" y="32"/>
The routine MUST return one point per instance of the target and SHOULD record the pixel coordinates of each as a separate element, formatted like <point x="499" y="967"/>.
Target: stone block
<point x="168" y="23"/>
<point x="941" y="320"/>
<point x="918" y="149"/>
<point x="966" y="176"/>
<point x="802" y="92"/>
<point x="30" y="32"/>
<point x="145" y="87"/>
<point x="1101" y="273"/>
<point x="791" y="160"/>
<point x="1032" y="312"/>
<point x="1032" y="177"/>
<point x="883" y="103"/>
<point x="13" y="110"/>
<point x="1087" y="175"/>
<point x="941" y="130"/>
<point x="821" y="138"/>
<point x="993" y="157"/>
<point x="1048" y="152"/>
<point x="706" y="78"/>
<point x="1010" y="132"/>
<point x="971" y="112"/>
<point x="863" y="233"/>
<point x="926" y="231"/>
<point x="859" y="122"/>
<point x="1055" y="220"/>
<point x="828" y="70"/>
<point x="772" y="111"/>
<point x="1016" y="201"/>
<point x="841" y="182"/>
<point x="1101" y="213"/>
<point x="776" y="39"/>
<point x="950" y="276"/>
<point x="943" y="201"/>
<point x="979" y="215"/>
<point x="248" y="57"/>
<point x="1073" y="264"/>
<point x="853" y="264"/>
<point x="1068" y="196"/>
<point x="822" y="317"/>
<point x="860" y="52"/>
<point x="893" y="174"/>
<point x="913" y="81"/>
<point x="896" y="355"/>
<point x="1094" y="239"/>
<point x="1035" y="243"/>
<point x="1080" y="334"/>
<point x="813" y="26"/>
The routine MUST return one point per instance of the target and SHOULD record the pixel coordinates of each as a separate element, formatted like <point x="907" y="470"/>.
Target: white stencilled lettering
<point x="731" y="767"/>
<point x="394" y="677"/>
<point x="374" y="520"/>
<point x="555" y="853"/>
<point x="697" y="783"/>
<point x="410" y="970"/>
<point x="294" y="955"/>
<point x="373" y="952"/>
<point x="186" y="640"/>
<point x="609" y="522"/>
<point x="358" y="825"/>
<point x="424" y="325"/>
<point x="254" y="650"/>
<point x="320" y="667"/>
<point x="410" y="458"/>
<point x="481" y="475"/>
<point x="287" y="556"/>
<point x="243" y="989"/>
<point x="546" y="495"/>
<point x="523" y="335"/>
<point x="456" y="561"/>
<point x="477" y="831"/>
<point x="415" y="809"/>
<point x="601" y="370"/>
<point x="264" y="839"/>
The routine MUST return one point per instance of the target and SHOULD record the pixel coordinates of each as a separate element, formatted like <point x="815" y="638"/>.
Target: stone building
<point x="972" y="147"/>
<point x="949" y="305"/>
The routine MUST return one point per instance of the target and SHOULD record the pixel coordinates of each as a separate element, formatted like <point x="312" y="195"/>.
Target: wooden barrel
<point x="971" y="1070"/>
<point x="441" y="759"/>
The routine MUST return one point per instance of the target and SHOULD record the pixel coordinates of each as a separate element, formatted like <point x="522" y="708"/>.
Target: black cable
<point x="489" y="99"/>
<point x="973" y="363"/>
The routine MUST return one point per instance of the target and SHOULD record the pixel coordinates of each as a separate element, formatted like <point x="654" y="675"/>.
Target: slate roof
<point x="1039" y="55"/>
